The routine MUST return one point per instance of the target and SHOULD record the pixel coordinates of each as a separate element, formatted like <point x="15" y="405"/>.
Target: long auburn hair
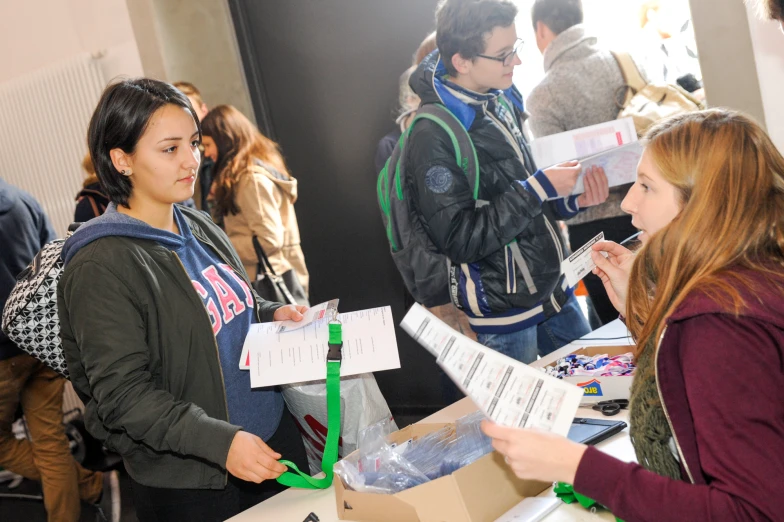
<point x="730" y="178"/>
<point x="239" y="144"/>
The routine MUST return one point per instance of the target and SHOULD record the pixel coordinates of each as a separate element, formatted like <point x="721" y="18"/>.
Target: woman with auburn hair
<point x="703" y="298"/>
<point x="254" y="195"/>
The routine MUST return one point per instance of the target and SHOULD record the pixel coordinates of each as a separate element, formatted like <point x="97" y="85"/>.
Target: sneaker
<point x="108" y="506"/>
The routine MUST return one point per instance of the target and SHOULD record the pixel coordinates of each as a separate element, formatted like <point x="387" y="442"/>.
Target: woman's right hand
<point x="614" y="271"/>
<point x="252" y="460"/>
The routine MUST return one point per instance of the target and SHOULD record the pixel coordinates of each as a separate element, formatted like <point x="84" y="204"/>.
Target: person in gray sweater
<point x="581" y="85"/>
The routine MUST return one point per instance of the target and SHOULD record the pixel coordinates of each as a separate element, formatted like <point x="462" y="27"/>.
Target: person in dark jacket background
<point x="505" y="247"/>
<point x="154" y="306"/>
<point x="91" y="202"/>
<point x="703" y="300"/>
<point x="45" y="457"/>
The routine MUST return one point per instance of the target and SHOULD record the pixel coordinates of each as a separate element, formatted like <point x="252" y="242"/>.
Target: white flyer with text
<point x="509" y="392"/>
<point x="276" y="358"/>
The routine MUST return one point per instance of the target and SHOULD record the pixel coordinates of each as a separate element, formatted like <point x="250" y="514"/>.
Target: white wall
<point x="768" y="43"/>
<point x="37" y="33"/>
<point x="44" y="35"/>
<point x="193" y="41"/>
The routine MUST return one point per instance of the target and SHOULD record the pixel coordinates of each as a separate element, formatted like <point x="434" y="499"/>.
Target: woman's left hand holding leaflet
<point x="536" y="455"/>
<point x="290" y="312"/>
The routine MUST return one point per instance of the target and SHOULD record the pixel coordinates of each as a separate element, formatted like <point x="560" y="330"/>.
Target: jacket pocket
<point x="514" y="258"/>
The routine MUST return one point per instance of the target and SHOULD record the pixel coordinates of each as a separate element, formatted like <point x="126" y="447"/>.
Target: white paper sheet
<point x="580" y="263"/>
<point x="323" y="311"/>
<point x="507" y="391"/>
<point x="320" y="312"/>
<point x="583" y="142"/>
<point x="619" y="164"/>
<point x="369" y="345"/>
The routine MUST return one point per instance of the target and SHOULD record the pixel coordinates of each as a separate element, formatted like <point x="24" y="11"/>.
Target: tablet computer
<point x="593" y="431"/>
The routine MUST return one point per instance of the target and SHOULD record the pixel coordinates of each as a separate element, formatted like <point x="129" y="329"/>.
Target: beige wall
<point x="768" y="43"/>
<point x="729" y="73"/>
<point x="192" y="40"/>
<point x="37" y="33"/>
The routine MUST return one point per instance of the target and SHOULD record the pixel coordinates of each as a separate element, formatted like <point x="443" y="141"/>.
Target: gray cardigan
<point x="578" y="89"/>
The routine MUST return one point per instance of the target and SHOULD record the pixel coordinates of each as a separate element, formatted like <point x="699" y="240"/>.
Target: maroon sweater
<point x="721" y="380"/>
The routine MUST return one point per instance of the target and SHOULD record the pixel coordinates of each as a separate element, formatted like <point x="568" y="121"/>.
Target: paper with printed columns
<point x="369" y="345"/>
<point x="509" y="392"/>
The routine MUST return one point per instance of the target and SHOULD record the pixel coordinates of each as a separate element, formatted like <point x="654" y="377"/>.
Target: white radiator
<point x="43" y="132"/>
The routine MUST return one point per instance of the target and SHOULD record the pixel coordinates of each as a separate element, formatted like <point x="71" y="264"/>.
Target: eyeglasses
<point x="509" y="57"/>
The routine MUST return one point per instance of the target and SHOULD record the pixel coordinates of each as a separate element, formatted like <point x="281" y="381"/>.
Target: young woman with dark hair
<point x="154" y="307"/>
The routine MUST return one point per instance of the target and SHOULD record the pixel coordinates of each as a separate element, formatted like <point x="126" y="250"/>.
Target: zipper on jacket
<point x="555" y="240"/>
<point x="513" y="142"/>
<point x="664" y="407"/>
<point x="217" y="353"/>
<point x="554" y="303"/>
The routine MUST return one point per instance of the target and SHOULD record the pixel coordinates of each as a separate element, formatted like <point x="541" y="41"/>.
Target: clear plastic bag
<point x="470" y="444"/>
<point x="381" y="467"/>
<point x="378" y="466"/>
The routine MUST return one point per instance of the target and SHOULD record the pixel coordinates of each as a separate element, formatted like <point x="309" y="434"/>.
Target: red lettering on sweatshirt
<point x="230" y="303"/>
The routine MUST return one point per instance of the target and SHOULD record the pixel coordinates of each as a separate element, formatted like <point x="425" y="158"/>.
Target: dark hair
<point x="774" y="9"/>
<point x="239" y="145"/>
<point x="461" y="26"/>
<point x="558" y="15"/>
<point x="119" y="121"/>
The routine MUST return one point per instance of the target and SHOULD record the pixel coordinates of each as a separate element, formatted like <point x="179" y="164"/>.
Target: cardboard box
<point x="479" y="492"/>
<point x="597" y="388"/>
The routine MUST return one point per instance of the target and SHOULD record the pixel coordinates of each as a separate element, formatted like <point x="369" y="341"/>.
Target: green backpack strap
<point x="390" y="180"/>
<point x="465" y="152"/>
<point x="299" y="479"/>
<point x="383" y="189"/>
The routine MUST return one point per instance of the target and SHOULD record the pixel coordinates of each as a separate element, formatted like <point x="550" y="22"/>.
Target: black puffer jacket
<point x="490" y="283"/>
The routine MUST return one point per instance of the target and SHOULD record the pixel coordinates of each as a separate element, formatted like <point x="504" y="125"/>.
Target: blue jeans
<point x="546" y="337"/>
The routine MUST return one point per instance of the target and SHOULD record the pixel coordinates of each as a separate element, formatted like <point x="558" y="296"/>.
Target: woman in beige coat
<point x="253" y="192"/>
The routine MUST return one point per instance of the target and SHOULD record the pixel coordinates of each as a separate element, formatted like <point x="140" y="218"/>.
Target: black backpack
<point x="424" y="269"/>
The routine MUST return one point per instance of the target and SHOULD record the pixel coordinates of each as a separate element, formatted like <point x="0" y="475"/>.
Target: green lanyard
<point x="567" y="493"/>
<point x="303" y="480"/>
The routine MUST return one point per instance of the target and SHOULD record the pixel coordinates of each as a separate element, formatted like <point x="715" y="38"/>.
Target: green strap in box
<point x="567" y="493"/>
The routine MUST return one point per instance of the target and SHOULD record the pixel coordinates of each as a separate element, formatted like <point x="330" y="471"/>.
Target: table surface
<point x="295" y="504"/>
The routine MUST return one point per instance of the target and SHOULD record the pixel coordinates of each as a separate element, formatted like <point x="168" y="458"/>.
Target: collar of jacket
<point x="564" y="42"/>
<point x="461" y="101"/>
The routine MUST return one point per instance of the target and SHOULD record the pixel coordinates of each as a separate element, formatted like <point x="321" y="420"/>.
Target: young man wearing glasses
<point x="505" y="247"/>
